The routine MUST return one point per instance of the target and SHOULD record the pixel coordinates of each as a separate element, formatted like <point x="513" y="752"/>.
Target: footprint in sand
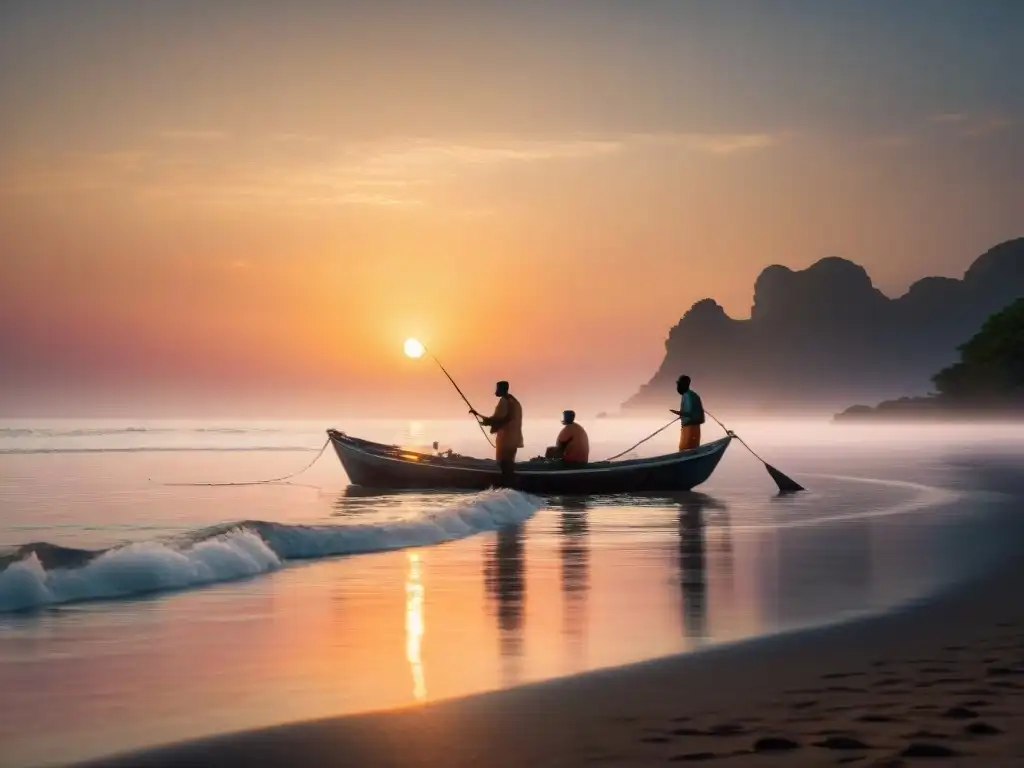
<point x="804" y="704"/>
<point x="775" y="744"/>
<point x="842" y="743"/>
<point x="976" y="692"/>
<point x="655" y="739"/>
<point x="959" y="713"/>
<point x="982" y="729"/>
<point x="723" y="729"/>
<point x="888" y="682"/>
<point x="927" y="749"/>
<point x="693" y="757"/>
<point x="871" y="718"/>
<point x="926" y="734"/>
<point x="1002" y="672"/>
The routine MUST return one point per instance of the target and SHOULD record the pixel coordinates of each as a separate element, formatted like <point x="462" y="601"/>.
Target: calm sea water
<point x="165" y="611"/>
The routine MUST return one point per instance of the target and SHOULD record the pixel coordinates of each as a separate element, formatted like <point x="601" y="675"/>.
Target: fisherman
<point x="507" y="427"/>
<point x="572" y="444"/>
<point x="690" y="413"/>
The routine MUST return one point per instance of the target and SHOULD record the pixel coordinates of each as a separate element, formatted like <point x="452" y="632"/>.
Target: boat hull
<point x="372" y="465"/>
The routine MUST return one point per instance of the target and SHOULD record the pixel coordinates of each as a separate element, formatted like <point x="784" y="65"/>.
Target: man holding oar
<point x="507" y="427"/>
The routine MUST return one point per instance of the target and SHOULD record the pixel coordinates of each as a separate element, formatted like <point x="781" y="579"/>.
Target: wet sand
<point x="941" y="680"/>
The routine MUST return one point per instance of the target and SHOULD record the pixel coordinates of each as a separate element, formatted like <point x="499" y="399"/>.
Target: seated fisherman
<point x="573" y="445"/>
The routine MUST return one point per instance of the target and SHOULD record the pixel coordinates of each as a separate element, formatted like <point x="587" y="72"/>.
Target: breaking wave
<point x="38" y="575"/>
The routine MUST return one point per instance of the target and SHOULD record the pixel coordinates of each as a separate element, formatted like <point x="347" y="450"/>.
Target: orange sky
<point x="227" y="203"/>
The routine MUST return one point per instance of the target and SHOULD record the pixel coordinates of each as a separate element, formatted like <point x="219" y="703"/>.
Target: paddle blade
<point x="786" y="484"/>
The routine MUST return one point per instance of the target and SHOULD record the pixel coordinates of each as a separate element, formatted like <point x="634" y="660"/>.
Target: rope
<point x="617" y="455"/>
<point x="258" y="482"/>
<point x="728" y="431"/>
<point x="733" y="434"/>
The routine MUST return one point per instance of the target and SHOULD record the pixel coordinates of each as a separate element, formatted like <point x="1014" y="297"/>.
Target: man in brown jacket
<point x="507" y="427"/>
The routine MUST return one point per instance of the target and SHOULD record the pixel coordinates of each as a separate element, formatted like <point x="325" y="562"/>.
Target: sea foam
<point x="244" y="549"/>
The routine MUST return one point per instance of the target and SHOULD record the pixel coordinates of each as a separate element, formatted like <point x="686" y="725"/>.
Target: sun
<point x="413" y="348"/>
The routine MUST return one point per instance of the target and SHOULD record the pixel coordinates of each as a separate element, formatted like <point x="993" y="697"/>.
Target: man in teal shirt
<point x="690" y="413"/>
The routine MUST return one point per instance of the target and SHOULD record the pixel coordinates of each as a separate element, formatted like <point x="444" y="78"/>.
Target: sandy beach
<point x="941" y="679"/>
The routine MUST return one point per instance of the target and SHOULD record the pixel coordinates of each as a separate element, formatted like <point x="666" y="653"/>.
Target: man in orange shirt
<point x="573" y="445"/>
<point x="507" y="427"/>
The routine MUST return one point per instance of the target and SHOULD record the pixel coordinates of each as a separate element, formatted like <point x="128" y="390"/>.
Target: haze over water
<point x="315" y="628"/>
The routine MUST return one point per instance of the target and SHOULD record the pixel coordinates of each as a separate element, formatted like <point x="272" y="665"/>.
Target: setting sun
<point x="413" y="348"/>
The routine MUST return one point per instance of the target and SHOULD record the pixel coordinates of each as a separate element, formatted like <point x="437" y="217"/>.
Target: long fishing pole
<point x="461" y="394"/>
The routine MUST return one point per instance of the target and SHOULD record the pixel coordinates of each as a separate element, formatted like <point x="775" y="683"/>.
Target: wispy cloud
<point x="949" y="118"/>
<point x="296" y="138"/>
<point x="396" y="173"/>
<point x="895" y="140"/>
<point x="419" y="156"/>
<point x="972" y="125"/>
<point x="192" y="135"/>
<point x="729" y="143"/>
<point x="987" y="126"/>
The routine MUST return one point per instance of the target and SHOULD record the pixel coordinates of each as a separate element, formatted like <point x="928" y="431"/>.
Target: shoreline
<point x="942" y="674"/>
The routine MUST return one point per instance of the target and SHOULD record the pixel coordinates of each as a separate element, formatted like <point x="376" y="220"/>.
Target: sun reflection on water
<point x="414" y="626"/>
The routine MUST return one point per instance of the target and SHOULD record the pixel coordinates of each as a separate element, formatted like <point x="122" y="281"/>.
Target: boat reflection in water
<point x="505" y="582"/>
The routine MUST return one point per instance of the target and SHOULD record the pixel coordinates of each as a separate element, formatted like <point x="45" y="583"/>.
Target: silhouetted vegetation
<point x="988" y="379"/>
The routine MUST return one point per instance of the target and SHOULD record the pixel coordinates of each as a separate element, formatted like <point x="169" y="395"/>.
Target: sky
<point x="219" y="207"/>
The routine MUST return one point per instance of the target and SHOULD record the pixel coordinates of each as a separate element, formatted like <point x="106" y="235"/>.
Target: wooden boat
<point x="374" y="465"/>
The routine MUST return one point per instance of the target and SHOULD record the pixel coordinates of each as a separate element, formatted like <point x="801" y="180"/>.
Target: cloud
<point x="974" y="126"/>
<point x="896" y="140"/>
<point x="193" y="135"/>
<point x="425" y="156"/>
<point x="987" y="126"/>
<point x="396" y="173"/>
<point x="949" y="117"/>
<point x="728" y="143"/>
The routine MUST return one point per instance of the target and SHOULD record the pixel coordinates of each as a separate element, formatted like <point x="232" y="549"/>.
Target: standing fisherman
<point x="690" y="413"/>
<point x="507" y="426"/>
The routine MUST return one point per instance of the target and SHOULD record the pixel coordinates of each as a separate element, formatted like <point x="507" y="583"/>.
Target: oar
<point x="416" y="349"/>
<point x="785" y="483"/>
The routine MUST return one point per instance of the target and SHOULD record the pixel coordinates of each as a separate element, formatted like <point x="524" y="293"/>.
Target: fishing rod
<point x="415" y="349"/>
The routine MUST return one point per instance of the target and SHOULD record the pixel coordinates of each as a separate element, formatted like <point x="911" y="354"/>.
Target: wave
<point x="39" y="575"/>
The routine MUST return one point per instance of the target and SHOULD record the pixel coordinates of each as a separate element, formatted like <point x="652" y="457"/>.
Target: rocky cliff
<point x="824" y="336"/>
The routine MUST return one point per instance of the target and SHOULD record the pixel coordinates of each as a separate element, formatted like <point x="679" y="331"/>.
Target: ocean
<point x="139" y="606"/>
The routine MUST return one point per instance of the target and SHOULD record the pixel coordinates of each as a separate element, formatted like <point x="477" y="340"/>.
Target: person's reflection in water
<point x="504" y="578"/>
<point x="692" y="562"/>
<point x="574" y="551"/>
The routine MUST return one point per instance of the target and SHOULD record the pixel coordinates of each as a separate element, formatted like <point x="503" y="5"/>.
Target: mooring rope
<point x="662" y="429"/>
<point x="258" y="482"/>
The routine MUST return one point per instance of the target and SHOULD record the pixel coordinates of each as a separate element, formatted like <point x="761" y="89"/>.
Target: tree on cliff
<point x="991" y="367"/>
